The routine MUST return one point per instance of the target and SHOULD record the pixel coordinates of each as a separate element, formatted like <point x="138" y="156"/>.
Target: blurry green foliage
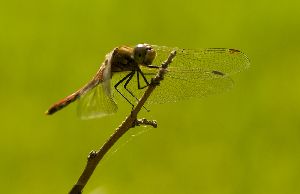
<point x="244" y="141"/>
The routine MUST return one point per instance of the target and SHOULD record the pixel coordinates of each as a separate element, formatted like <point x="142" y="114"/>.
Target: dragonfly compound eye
<point x="139" y="53"/>
<point x="144" y="54"/>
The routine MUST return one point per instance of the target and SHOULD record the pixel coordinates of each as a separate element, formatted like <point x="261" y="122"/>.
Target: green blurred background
<point x="244" y="141"/>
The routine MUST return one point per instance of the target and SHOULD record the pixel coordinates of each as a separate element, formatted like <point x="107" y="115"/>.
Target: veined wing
<point x="199" y="63"/>
<point x="96" y="102"/>
<point x="193" y="73"/>
<point x="173" y="89"/>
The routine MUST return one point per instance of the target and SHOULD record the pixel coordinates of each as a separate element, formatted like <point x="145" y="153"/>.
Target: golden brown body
<point x="123" y="58"/>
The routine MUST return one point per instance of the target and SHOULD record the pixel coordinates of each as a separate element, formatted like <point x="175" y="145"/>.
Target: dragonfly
<point x="129" y="69"/>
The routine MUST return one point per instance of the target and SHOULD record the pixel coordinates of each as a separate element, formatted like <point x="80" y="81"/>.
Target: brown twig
<point x="131" y="121"/>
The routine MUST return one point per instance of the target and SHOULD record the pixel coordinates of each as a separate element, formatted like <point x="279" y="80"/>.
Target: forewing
<point x="193" y="73"/>
<point x="196" y="72"/>
<point x="96" y="103"/>
<point x="200" y="63"/>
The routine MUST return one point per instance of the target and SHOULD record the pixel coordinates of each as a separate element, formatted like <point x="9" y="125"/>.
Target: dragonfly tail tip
<point x="47" y="112"/>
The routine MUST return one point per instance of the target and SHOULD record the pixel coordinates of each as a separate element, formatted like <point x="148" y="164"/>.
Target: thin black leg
<point x="138" y="79"/>
<point x="131" y="93"/>
<point x="144" y="78"/>
<point x="153" y="66"/>
<point x="122" y="80"/>
<point x="139" y="86"/>
<point x="127" y="82"/>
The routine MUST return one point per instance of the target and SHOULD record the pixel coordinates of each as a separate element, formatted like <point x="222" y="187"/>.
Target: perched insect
<point x="193" y="73"/>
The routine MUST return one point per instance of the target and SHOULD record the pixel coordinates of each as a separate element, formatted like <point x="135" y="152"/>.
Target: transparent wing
<point x="200" y="63"/>
<point x="96" y="103"/>
<point x="173" y="89"/>
<point x="193" y="73"/>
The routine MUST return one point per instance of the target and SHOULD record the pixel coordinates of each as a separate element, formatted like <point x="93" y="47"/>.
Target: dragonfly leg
<point x="127" y="82"/>
<point x="131" y="93"/>
<point x="139" y="71"/>
<point x="129" y="75"/>
<point x="138" y="80"/>
<point x="153" y="66"/>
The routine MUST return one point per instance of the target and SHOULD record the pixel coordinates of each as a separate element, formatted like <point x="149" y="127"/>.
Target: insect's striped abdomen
<point x="63" y="103"/>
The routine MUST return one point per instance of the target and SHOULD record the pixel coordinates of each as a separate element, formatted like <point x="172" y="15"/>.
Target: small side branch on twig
<point x="144" y="121"/>
<point x="131" y="121"/>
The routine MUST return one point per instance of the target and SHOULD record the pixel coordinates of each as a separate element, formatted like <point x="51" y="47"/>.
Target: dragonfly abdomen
<point x="63" y="103"/>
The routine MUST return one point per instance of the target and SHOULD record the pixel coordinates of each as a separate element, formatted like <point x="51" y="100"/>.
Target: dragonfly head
<point x="144" y="54"/>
